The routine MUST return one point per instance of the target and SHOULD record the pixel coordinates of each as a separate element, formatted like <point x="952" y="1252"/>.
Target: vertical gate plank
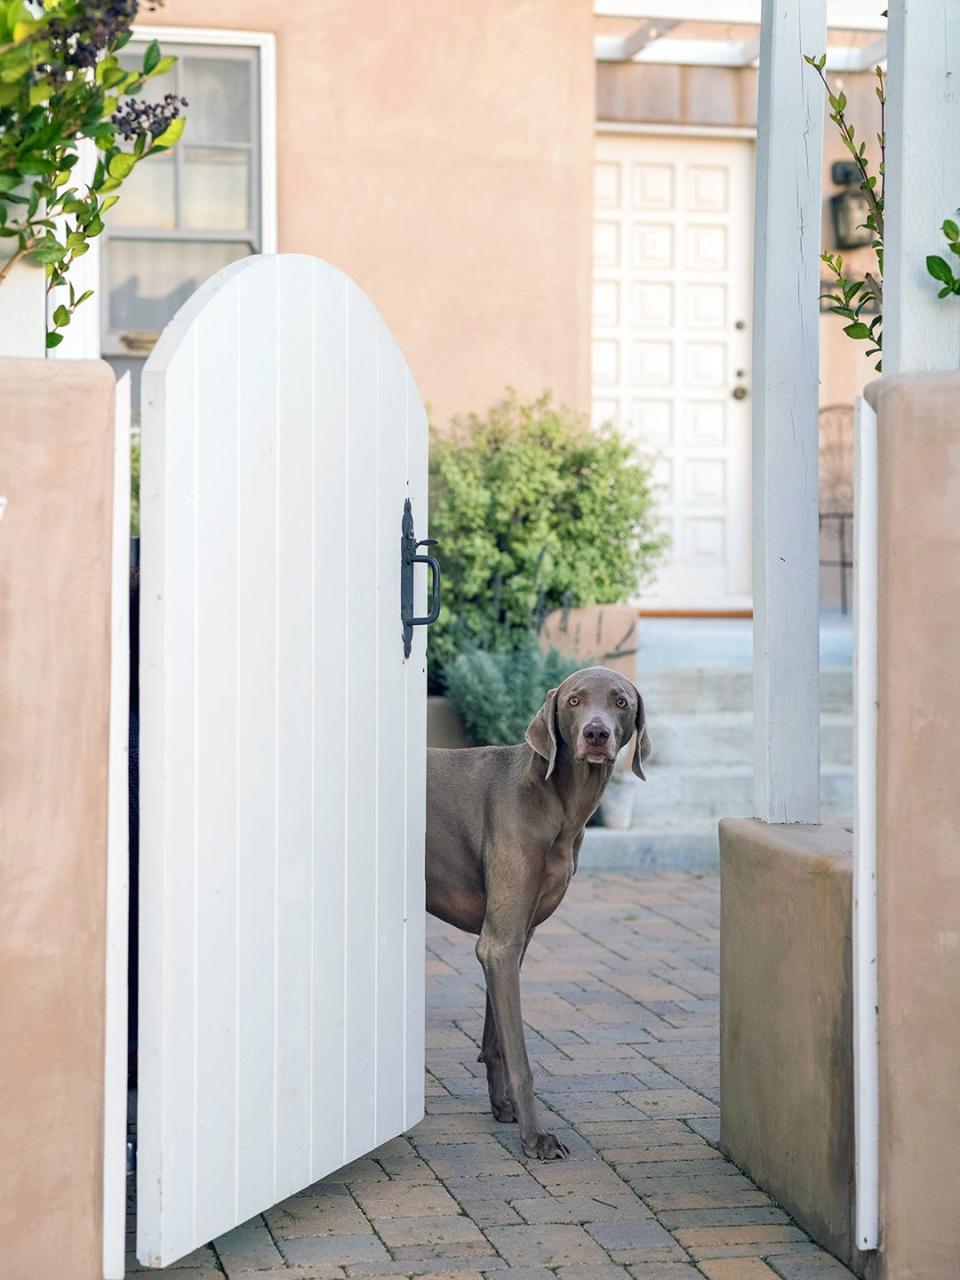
<point x="416" y="813"/>
<point x="331" y="658"/>
<point x="165" y="1133"/>
<point x="214" y="905"/>
<point x="258" y="426"/>
<point x="295" y="709"/>
<point x="361" y="727"/>
<point x="391" y="753"/>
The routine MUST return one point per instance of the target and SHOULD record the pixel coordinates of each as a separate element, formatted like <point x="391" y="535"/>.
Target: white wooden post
<point x="921" y="332"/>
<point x="785" y="424"/>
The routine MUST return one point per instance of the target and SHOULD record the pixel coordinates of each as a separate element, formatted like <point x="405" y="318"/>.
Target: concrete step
<point x="690" y="845"/>
<point x="726" y="737"/>
<point x="675" y="793"/>
<point x="668" y="690"/>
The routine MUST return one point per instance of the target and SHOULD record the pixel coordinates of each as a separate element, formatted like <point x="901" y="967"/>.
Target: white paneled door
<point x="282" y="749"/>
<point x="673" y="227"/>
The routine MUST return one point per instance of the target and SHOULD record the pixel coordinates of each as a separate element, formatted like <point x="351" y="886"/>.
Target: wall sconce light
<point x="849" y="209"/>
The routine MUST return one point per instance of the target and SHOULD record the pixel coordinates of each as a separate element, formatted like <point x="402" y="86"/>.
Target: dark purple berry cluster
<point x="78" y="41"/>
<point x="138" y="118"/>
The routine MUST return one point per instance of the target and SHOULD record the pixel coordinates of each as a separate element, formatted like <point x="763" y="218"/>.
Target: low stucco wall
<point x="56" y="447"/>
<point x="786" y="1020"/>
<point x="919" y="823"/>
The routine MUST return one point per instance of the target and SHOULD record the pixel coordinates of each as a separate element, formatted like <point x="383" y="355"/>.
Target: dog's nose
<point x="597" y="735"/>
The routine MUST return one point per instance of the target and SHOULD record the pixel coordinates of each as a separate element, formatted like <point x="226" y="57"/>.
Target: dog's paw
<point x="545" y="1146"/>
<point x="504" y="1111"/>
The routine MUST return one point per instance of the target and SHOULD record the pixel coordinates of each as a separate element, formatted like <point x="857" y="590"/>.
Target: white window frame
<point x="83" y="338"/>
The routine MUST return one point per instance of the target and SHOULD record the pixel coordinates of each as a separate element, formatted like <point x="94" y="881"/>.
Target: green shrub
<point x="533" y="510"/>
<point x="498" y="694"/>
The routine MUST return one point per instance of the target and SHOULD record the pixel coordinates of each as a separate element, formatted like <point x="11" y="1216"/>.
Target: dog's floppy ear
<point x="642" y="744"/>
<point x="542" y="731"/>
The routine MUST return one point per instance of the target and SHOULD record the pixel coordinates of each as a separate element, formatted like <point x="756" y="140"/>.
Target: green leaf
<point x="121" y="164"/>
<point x="54" y="339"/>
<point x="951" y="230"/>
<point x="939" y="269"/>
<point x="8" y="181"/>
<point x="151" y="57"/>
<point x="170" y="135"/>
<point x="857" y="330"/>
<point x="61" y="316"/>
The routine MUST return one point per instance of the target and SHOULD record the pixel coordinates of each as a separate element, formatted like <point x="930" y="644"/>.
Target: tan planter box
<point x="597" y="635"/>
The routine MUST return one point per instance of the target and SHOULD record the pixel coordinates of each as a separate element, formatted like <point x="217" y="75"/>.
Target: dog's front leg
<point x="500" y="955"/>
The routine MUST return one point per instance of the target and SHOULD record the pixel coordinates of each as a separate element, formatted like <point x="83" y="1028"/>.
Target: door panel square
<point x="606" y="302"/>
<point x="653" y="421"/>
<point x="652" y="304"/>
<point x="705" y="422"/>
<point x="707" y="189"/>
<point x="652" y="247"/>
<point x="705" y="480"/>
<point x="651" y="363"/>
<point x="653" y="186"/>
<point x="705" y="364"/>
<point x="606" y="244"/>
<point x="604" y="410"/>
<point x="606" y="185"/>
<point x="704" y="539"/>
<point x="705" y="306"/>
<point x="707" y="249"/>
<point x="606" y="360"/>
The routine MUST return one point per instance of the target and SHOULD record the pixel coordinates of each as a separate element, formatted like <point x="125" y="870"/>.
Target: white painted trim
<point x="920" y="332"/>
<point x="118" y="873"/>
<point x="866" y="1069"/>
<point x="676" y="130"/>
<point x="266" y="43"/>
<point x="853" y="15"/>
<point x="786" y="325"/>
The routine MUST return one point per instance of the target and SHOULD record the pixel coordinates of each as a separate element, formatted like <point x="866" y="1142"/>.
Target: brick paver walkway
<point x="620" y="1000"/>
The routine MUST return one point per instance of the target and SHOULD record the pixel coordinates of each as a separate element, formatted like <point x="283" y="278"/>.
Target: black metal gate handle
<point x="434" y="564"/>
<point x="409" y="547"/>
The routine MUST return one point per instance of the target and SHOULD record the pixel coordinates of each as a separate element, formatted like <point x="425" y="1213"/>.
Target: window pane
<point x="149" y="280"/>
<point x="147" y="196"/>
<point x="219" y="92"/>
<point x="216" y="189"/>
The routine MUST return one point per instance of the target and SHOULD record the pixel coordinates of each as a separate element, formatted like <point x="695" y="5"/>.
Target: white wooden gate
<point x="282" y="756"/>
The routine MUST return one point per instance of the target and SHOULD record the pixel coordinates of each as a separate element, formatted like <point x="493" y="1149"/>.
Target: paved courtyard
<point x="620" y="1000"/>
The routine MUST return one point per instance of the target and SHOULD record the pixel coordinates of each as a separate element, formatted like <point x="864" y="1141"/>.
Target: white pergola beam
<point x="921" y="332"/>
<point x="786" y="555"/>
<point x="853" y="15"/>
<point x="722" y="53"/>
<point x="625" y="48"/>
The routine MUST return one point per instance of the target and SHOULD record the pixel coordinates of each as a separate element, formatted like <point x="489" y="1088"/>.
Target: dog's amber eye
<point x="621" y="702"/>
<point x="574" y="701"/>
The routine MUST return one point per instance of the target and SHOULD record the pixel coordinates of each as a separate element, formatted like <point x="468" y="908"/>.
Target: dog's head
<point x="594" y="713"/>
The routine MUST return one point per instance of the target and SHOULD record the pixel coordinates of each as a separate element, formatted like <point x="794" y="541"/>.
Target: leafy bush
<point x="61" y="82"/>
<point x="498" y="694"/>
<point x="533" y="510"/>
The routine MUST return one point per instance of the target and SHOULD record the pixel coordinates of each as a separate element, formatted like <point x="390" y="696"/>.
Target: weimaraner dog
<point x="504" y="829"/>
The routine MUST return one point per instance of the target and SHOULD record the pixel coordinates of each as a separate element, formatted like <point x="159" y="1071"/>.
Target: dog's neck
<point x="579" y="786"/>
